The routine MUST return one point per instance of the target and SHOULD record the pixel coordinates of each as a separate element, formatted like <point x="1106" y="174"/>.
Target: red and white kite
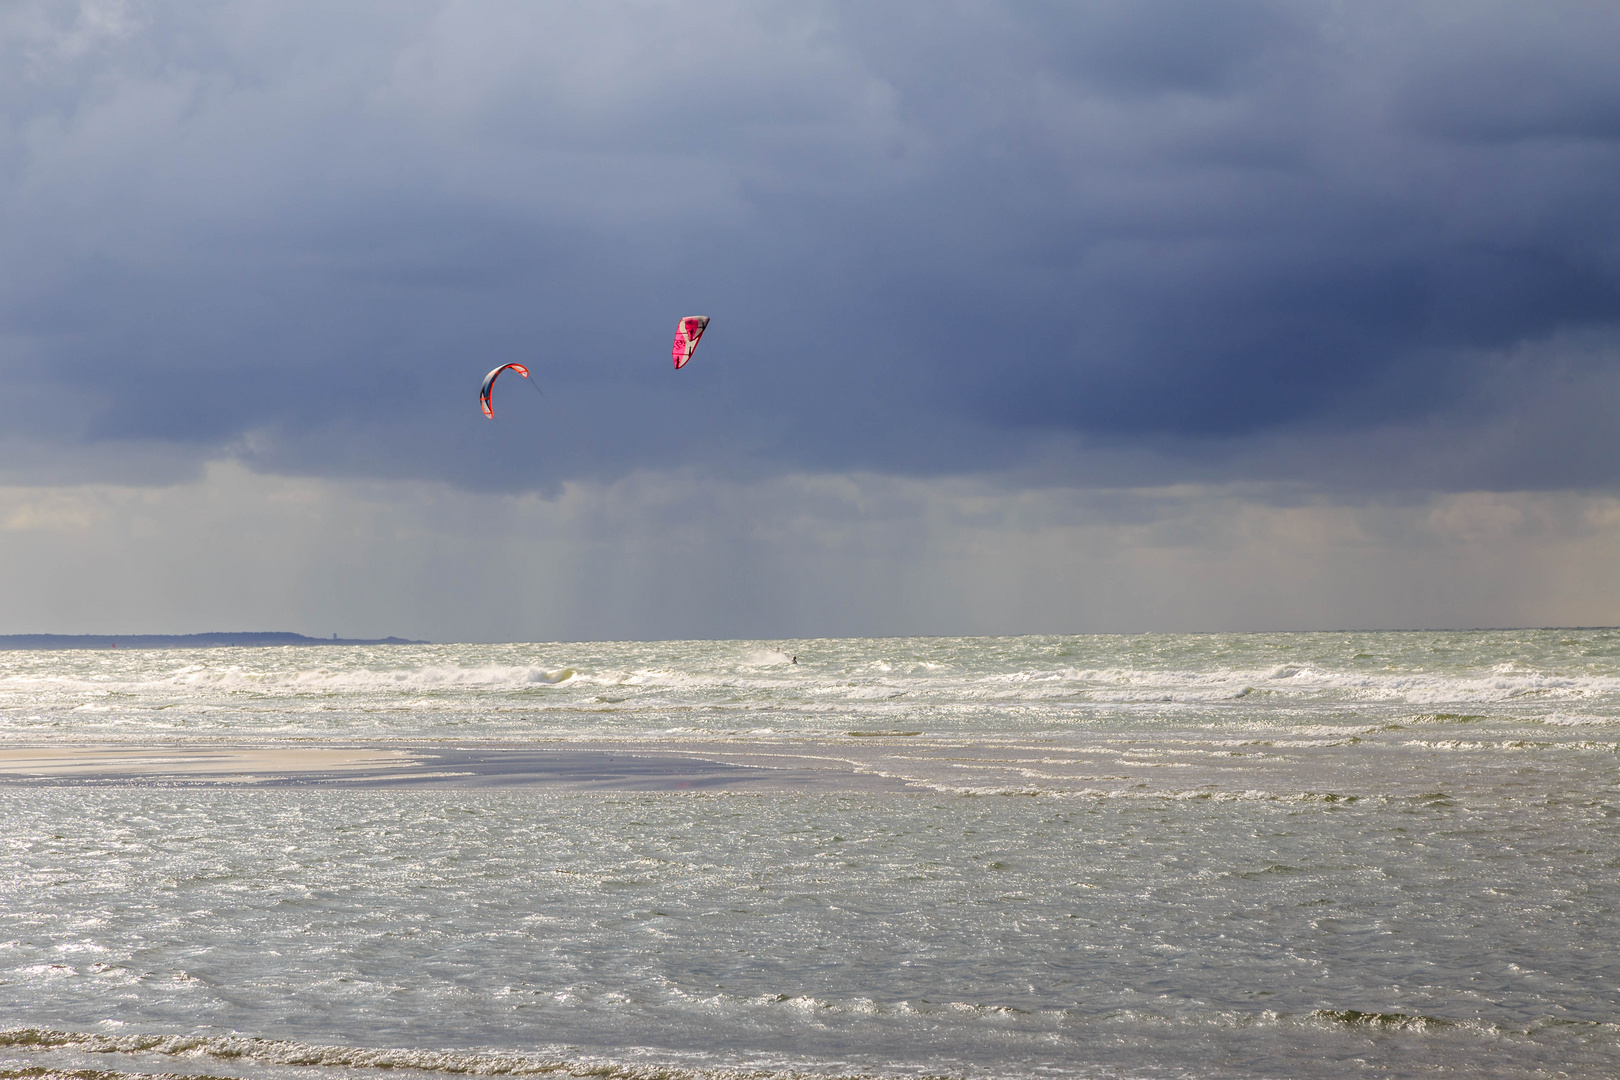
<point x="489" y="387"/>
<point x="687" y="333"/>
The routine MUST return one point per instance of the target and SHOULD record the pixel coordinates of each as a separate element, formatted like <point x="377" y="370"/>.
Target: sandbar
<point x="505" y="766"/>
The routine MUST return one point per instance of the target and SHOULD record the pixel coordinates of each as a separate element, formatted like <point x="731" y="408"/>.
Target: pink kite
<point x="687" y="333"/>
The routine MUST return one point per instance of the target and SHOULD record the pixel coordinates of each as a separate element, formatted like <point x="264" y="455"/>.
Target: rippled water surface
<point x="1314" y="855"/>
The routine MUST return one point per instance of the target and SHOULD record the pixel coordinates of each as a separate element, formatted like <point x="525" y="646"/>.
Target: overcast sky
<point x="1000" y="293"/>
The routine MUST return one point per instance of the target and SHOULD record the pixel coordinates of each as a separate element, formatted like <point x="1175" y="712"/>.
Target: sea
<point x="1380" y="854"/>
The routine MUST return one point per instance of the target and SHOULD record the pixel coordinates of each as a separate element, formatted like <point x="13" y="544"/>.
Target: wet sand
<point x="578" y="769"/>
<point x="858" y="762"/>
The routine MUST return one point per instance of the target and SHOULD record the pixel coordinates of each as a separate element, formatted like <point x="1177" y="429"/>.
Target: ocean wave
<point x="772" y="674"/>
<point x="429" y="677"/>
<point x="1478" y="744"/>
<point x="1559" y="719"/>
<point x="1133" y="793"/>
<point x="1395" y="1021"/>
<point x="1130" y="686"/>
<point x="236" y="1048"/>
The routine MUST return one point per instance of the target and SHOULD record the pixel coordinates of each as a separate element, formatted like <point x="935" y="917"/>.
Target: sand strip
<point x="419" y="767"/>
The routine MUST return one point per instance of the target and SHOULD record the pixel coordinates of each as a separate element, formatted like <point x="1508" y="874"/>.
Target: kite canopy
<point x="489" y="385"/>
<point x="687" y="333"/>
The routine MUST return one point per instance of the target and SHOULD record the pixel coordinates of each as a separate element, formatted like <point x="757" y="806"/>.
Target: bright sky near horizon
<point x="1027" y="317"/>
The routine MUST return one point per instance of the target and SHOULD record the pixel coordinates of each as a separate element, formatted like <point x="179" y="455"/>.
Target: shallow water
<point x="1389" y="854"/>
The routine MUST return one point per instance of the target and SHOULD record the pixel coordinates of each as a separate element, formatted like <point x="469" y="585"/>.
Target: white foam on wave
<point x="236" y="678"/>
<point x="660" y="680"/>
<point x="426" y="677"/>
<point x="1135" y="793"/>
<point x="1477" y="744"/>
<point x="232" y="1048"/>
<point x="1501" y="683"/>
<point x="1559" y="719"/>
<point x="760" y="670"/>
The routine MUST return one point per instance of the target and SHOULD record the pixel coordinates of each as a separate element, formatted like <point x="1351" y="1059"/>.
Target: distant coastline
<point x="182" y="641"/>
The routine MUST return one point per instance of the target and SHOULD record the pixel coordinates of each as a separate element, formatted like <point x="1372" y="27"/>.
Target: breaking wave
<point x="235" y="1048"/>
<point x="772" y="671"/>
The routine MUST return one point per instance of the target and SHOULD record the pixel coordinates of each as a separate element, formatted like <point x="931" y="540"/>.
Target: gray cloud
<point x="1373" y="246"/>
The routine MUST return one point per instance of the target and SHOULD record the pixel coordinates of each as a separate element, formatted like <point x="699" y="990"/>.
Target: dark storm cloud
<point x="1152" y="240"/>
